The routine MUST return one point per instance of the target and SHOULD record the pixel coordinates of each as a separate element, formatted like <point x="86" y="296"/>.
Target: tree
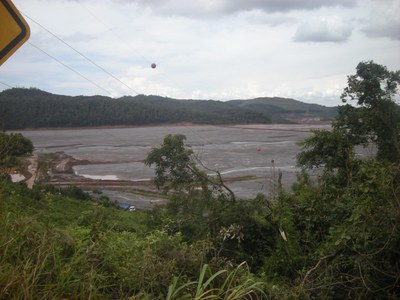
<point x="11" y="146"/>
<point x="176" y="168"/>
<point x="14" y="144"/>
<point x="347" y="225"/>
<point x="348" y="235"/>
<point x="377" y="116"/>
<point x="328" y="149"/>
<point x="202" y="208"/>
<point x="375" y="119"/>
<point x="197" y="198"/>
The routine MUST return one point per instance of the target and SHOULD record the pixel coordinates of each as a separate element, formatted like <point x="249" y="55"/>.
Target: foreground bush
<point x="55" y="247"/>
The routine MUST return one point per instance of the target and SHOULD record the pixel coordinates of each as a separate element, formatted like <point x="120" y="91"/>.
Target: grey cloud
<point x="384" y="21"/>
<point x="272" y="19"/>
<point x="285" y="5"/>
<point x="391" y="31"/>
<point x="202" y="7"/>
<point x="332" y="29"/>
<point x="80" y="37"/>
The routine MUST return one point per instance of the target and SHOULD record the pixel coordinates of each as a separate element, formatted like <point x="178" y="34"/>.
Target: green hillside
<point x="280" y="108"/>
<point x="32" y="108"/>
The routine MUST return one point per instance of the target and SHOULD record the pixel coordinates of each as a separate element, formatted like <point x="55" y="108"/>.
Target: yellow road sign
<point x="14" y="30"/>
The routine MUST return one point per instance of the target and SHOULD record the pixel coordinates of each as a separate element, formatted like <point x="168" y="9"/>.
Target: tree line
<point x="32" y="108"/>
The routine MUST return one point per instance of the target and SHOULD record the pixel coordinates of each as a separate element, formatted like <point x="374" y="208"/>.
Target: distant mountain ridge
<point x="33" y="108"/>
<point x="288" y="109"/>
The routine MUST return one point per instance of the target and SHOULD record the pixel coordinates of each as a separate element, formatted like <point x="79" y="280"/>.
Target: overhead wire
<point x="202" y="139"/>
<point x="6" y="84"/>
<point x="81" y="54"/>
<point x="201" y="150"/>
<point x="68" y="67"/>
<point x="99" y="20"/>
<point x="121" y="39"/>
<point x="109" y="29"/>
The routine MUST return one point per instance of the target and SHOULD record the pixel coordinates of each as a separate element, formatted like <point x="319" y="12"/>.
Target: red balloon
<point x="153" y="65"/>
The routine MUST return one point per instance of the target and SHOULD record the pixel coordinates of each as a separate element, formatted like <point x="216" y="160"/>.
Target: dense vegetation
<point x="287" y="109"/>
<point x="32" y="108"/>
<point x="12" y="146"/>
<point x="334" y="238"/>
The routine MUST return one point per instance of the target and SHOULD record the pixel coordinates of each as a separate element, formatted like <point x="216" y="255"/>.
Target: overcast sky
<point x="204" y="49"/>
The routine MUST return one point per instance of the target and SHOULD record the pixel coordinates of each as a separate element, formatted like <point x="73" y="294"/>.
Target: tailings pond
<point x="254" y="153"/>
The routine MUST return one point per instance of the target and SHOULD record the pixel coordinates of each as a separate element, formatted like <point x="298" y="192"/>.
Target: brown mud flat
<point x="114" y="126"/>
<point x="248" y="156"/>
<point x="275" y="126"/>
<point x="59" y="173"/>
<point x="56" y="169"/>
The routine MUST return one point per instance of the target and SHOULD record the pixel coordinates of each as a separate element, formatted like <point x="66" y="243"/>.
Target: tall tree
<point x="350" y="217"/>
<point x="174" y="166"/>
<point x="177" y="168"/>
<point x="376" y="117"/>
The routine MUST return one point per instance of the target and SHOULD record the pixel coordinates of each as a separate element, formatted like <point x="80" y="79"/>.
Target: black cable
<point x="76" y="72"/>
<point x="81" y="54"/>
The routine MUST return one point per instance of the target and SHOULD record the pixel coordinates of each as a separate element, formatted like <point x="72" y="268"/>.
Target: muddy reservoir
<point x="252" y="154"/>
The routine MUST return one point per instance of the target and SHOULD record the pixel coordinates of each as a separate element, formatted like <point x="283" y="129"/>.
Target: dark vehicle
<point x="126" y="206"/>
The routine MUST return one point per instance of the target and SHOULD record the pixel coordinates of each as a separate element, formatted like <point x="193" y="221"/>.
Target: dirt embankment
<point x="32" y="170"/>
<point x="63" y="163"/>
<point x="57" y="169"/>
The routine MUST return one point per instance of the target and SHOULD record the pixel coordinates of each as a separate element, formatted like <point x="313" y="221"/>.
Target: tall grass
<point x="224" y="284"/>
<point x="34" y="264"/>
<point x="39" y="261"/>
<point x="94" y="257"/>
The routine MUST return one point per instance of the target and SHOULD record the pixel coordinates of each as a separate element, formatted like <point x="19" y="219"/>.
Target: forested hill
<point x="32" y="108"/>
<point x="288" y="109"/>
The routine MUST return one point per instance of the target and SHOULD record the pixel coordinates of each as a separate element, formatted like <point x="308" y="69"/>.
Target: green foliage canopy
<point x="346" y="228"/>
<point x="377" y="116"/>
<point x="174" y="166"/>
<point x="12" y="146"/>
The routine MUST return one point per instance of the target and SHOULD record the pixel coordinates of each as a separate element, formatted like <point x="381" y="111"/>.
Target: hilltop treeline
<point x="24" y="108"/>
<point x="33" y="108"/>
